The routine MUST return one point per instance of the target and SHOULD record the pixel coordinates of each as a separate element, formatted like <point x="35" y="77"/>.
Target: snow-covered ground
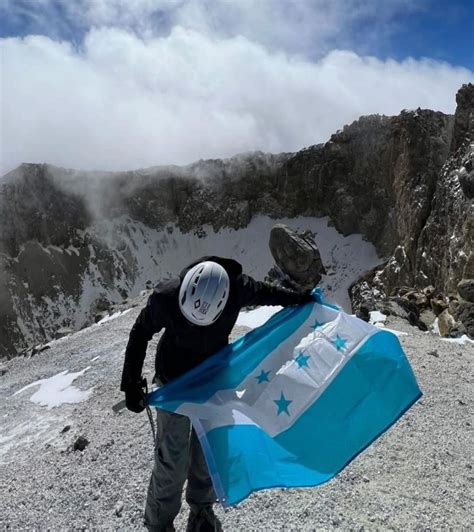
<point x="154" y="254"/>
<point x="164" y="253"/>
<point x="416" y="476"/>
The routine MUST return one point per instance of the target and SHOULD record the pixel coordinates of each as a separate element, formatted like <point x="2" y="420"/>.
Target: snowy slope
<point x="164" y="253"/>
<point x="416" y="476"/>
<point x="118" y="257"/>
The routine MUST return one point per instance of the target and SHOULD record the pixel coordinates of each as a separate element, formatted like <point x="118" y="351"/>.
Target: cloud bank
<point x="123" y="102"/>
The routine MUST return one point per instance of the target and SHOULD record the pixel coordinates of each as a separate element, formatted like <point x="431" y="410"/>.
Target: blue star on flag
<point x="302" y="360"/>
<point x="340" y="343"/>
<point x="263" y="377"/>
<point x="316" y="325"/>
<point x="282" y="404"/>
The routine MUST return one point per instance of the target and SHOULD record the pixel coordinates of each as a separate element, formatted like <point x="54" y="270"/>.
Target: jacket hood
<point x="231" y="266"/>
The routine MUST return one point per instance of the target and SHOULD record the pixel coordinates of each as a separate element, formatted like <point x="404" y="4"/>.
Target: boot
<point x="203" y="519"/>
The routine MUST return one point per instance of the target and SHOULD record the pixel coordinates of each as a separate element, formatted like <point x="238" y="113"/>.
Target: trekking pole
<point x="144" y="385"/>
<point x="118" y="407"/>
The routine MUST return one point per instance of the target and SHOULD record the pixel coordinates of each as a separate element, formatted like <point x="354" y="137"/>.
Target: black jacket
<point x="184" y="345"/>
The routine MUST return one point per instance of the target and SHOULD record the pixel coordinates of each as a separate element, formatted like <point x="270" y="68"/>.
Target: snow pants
<point x="178" y="456"/>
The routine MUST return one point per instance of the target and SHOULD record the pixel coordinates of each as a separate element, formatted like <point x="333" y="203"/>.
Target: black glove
<point x="304" y="296"/>
<point x="135" y="399"/>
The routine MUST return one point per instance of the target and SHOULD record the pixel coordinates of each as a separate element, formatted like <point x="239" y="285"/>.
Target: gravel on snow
<point x="418" y="475"/>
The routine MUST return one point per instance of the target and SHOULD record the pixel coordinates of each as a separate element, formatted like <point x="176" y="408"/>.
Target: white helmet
<point x="204" y="292"/>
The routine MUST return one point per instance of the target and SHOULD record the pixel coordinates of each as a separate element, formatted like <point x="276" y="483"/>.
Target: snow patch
<point x="113" y="316"/>
<point x="58" y="390"/>
<point x="377" y="317"/>
<point x="435" y="327"/>
<point x="463" y="340"/>
<point x="255" y="318"/>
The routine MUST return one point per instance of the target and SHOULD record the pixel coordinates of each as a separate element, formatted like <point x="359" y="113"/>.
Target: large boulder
<point x="296" y="255"/>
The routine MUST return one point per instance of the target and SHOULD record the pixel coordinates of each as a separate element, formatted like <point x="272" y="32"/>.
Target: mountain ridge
<point x="395" y="180"/>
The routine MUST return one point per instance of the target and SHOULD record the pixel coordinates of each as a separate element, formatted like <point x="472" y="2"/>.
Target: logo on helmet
<point x="204" y="307"/>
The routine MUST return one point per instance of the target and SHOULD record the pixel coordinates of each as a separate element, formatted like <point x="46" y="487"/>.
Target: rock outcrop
<point x="297" y="257"/>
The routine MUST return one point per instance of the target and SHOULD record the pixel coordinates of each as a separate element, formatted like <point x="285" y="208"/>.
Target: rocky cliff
<point x="68" y="239"/>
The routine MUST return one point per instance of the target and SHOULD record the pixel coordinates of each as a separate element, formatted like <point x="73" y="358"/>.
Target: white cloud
<point x="124" y="103"/>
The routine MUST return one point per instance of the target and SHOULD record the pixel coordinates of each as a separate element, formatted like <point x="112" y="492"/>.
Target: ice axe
<point x="118" y="407"/>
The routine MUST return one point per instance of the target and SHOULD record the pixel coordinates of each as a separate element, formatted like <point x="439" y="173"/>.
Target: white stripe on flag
<point x="290" y="378"/>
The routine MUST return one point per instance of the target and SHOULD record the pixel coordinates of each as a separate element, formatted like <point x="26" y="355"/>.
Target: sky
<point x="127" y="84"/>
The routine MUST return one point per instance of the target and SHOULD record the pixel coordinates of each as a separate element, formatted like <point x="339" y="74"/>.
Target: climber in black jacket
<point x="197" y="311"/>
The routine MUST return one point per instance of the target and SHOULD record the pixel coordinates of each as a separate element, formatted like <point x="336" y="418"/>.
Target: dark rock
<point x="446" y="322"/>
<point x="118" y="509"/>
<point x="296" y="255"/>
<point x="421" y="325"/>
<point x="466" y="289"/>
<point x="101" y="304"/>
<point x="402" y="308"/>
<point x="464" y="117"/>
<point x="363" y="292"/>
<point x="81" y="443"/>
<point x="438" y="306"/>
<point x="100" y="316"/>
<point x="363" y="313"/>
<point x="466" y="179"/>
<point x="123" y="293"/>
<point x="3" y="370"/>
<point x="63" y="331"/>
<point x="66" y="429"/>
<point x="457" y="330"/>
<point x="38" y="349"/>
<point x="419" y="298"/>
<point x="453" y="305"/>
<point x="466" y="317"/>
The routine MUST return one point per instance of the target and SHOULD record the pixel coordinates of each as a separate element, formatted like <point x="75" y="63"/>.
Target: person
<point x="197" y="311"/>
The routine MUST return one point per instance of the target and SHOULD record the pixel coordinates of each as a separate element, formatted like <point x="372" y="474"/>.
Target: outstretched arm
<point x="254" y="292"/>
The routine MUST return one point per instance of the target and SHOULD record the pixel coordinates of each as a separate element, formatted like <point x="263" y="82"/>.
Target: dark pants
<point x="178" y="456"/>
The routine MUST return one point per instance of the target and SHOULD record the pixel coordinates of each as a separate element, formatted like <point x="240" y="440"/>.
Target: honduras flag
<point x="292" y="402"/>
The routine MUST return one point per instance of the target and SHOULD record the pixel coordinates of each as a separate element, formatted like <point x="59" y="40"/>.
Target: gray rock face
<point x="296" y="256"/>
<point x="445" y="243"/>
<point x="376" y="177"/>
<point x="435" y="248"/>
